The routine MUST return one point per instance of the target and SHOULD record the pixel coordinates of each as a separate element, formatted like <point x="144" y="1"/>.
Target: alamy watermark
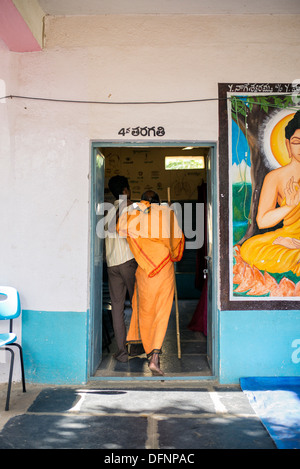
<point x="189" y="217"/>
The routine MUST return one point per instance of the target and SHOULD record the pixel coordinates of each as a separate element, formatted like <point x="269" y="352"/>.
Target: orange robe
<point x="156" y="241"/>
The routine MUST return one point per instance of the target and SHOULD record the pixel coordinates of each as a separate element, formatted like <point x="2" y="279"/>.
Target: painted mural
<point x="264" y="200"/>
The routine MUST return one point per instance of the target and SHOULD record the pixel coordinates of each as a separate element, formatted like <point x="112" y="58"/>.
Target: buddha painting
<point x="260" y="259"/>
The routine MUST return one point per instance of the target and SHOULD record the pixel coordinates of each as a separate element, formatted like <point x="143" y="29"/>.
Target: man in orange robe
<point x="157" y="242"/>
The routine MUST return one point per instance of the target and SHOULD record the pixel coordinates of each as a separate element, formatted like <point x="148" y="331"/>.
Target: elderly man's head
<point x="151" y="196"/>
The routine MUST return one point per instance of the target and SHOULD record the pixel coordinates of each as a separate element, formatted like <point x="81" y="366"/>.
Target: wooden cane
<point x="175" y="290"/>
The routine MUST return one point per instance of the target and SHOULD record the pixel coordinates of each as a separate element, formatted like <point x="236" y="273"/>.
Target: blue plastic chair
<point x="10" y="308"/>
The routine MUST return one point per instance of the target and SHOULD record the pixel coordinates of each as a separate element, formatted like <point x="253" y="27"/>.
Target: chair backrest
<point x="10" y="306"/>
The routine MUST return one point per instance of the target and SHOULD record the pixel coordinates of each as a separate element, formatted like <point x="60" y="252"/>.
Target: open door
<point x="97" y="198"/>
<point x="200" y="350"/>
<point x="209" y="260"/>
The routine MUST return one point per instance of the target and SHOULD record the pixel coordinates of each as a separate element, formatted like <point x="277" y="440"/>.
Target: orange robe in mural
<point x="265" y="252"/>
<point x="156" y="241"/>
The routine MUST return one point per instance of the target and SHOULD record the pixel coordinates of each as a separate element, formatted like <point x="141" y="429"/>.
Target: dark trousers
<point x="120" y="279"/>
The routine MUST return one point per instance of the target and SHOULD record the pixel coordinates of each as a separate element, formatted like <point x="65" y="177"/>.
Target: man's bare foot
<point x="154" y="365"/>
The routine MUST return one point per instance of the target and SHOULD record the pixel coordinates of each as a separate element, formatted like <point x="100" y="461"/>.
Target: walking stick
<point x="176" y="296"/>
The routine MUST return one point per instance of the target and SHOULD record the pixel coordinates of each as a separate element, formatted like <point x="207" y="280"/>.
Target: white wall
<point x="45" y="146"/>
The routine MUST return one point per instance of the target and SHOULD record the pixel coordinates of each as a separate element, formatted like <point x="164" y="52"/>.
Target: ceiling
<point x="22" y="21"/>
<point x="192" y="7"/>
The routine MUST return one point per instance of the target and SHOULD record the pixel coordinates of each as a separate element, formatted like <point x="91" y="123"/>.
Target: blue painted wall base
<point x="55" y="346"/>
<point x="251" y="343"/>
<point x="258" y="343"/>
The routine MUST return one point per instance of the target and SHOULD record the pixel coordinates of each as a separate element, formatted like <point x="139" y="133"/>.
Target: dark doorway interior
<point x="189" y="271"/>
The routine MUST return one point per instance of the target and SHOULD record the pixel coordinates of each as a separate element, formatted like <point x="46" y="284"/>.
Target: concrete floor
<point x="117" y="416"/>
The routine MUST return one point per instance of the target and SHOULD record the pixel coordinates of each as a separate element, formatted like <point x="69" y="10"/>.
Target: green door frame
<point x="214" y="274"/>
<point x="96" y="264"/>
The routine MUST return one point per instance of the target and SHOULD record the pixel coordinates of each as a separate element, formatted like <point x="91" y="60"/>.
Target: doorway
<point x="189" y="170"/>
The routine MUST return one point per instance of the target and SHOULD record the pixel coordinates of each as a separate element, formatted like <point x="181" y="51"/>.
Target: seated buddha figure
<point x="278" y="251"/>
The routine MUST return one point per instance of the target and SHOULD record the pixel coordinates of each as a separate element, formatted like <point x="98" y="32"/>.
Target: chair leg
<point x="22" y="364"/>
<point x="10" y="376"/>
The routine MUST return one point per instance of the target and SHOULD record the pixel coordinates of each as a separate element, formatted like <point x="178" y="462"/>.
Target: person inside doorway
<point x="121" y="264"/>
<point x="157" y="242"/>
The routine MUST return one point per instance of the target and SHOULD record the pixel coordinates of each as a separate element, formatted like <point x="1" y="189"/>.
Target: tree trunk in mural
<point x="258" y="167"/>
